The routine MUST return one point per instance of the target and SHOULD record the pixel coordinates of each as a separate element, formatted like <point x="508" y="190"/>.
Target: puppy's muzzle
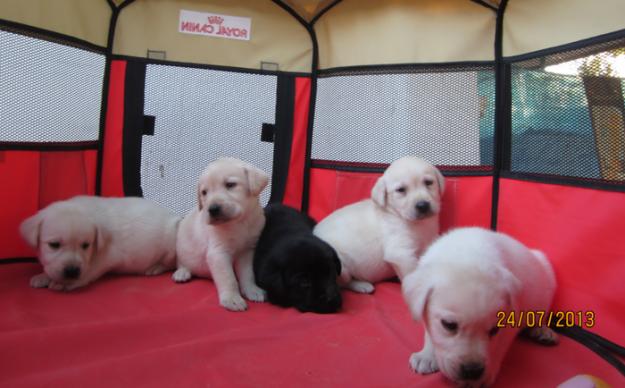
<point x="329" y="302"/>
<point x="471" y="371"/>
<point x="423" y="209"/>
<point x="216" y="214"/>
<point x="214" y="210"/>
<point x="71" y="272"/>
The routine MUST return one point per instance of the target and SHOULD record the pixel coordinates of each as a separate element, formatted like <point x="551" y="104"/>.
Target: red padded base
<point x="150" y="332"/>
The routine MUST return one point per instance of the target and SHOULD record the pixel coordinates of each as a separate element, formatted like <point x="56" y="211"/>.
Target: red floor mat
<point x="150" y="332"/>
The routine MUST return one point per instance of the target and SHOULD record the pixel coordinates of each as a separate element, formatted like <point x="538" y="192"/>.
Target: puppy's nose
<point x="471" y="370"/>
<point x="423" y="207"/>
<point x="71" y="272"/>
<point x="332" y="299"/>
<point x="214" y="210"/>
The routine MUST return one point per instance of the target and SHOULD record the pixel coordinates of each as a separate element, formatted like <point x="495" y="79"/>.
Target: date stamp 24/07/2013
<point x="558" y="319"/>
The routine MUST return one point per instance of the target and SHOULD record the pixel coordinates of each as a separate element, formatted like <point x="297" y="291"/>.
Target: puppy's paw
<point x="233" y="302"/>
<point x="40" y="281"/>
<point x="254" y="293"/>
<point x="423" y="362"/>
<point x="181" y="275"/>
<point x="156" y="269"/>
<point x="57" y="286"/>
<point x="361" y="287"/>
<point x="542" y="335"/>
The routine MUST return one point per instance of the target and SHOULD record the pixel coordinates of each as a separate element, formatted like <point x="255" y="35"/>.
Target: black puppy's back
<point x="288" y="254"/>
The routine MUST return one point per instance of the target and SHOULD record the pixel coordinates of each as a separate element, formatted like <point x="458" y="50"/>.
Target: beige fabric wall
<point x="84" y="19"/>
<point x="275" y="35"/>
<point x="531" y="25"/>
<point x="369" y="32"/>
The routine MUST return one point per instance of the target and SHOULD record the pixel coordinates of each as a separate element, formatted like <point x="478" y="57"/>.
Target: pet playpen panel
<point x="568" y="114"/>
<point x="532" y="25"/>
<point x="443" y="115"/>
<point x="202" y="115"/>
<point x="87" y="20"/>
<point x="50" y="98"/>
<point x="276" y="37"/>
<point x="49" y="92"/>
<point x="367" y="32"/>
<point x="581" y="231"/>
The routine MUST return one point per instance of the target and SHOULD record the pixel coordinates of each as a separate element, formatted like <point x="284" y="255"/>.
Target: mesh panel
<point x="202" y="115"/>
<point x="49" y="92"/>
<point x="446" y="117"/>
<point x="567" y="114"/>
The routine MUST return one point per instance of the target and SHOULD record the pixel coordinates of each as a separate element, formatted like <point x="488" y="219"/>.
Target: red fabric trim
<point x="466" y="201"/>
<point x="337" y="163"/>
<point x="34" y="180"/>
<point x="295" y="180"/>
<point x="90" y="159"/>
<point x="132" y="331"/>
<point x="581" y="231"/>
<point x="19" y="199"/>
<point x="112" y="169"/>
<point x="63" y="175"/>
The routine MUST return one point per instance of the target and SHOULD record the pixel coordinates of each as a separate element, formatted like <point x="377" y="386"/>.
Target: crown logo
<point x="215" y="20"/>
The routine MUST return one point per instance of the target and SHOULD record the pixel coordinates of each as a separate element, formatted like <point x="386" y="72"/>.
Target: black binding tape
<point x="148" y="125"/>
<point x="603" y="347"/>
<point x="268" y="133"/>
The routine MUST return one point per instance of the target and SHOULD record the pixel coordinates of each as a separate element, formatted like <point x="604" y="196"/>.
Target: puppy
<point x="223" y="230"/>
<point x="462" y="284"/>
<point x="295" y="267"/>
<point x="382" y="237"/>
<point x="81" y="239"/>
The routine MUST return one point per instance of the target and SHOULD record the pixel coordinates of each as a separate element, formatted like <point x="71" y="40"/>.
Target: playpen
<point x="519" y="103"/>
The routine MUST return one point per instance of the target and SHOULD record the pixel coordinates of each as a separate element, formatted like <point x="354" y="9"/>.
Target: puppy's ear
<point x="30" y="229"/>
<point x="102" y="238"/>
<point x="257" y="179"/>
<point x="378" y="193"/>
<point x="440" y="179"/>
<point x="417" y="291"/>
<point x="512" y="287"/>
<point x="337" y="265"/>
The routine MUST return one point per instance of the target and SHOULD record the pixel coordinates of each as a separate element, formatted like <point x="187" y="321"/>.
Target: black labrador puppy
<point x="295" y="267"/>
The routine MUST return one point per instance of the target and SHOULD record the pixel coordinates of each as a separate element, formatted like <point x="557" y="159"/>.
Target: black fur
<point x="295" y="267"/>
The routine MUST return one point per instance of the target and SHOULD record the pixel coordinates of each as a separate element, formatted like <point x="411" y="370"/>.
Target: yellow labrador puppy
<point x="382" y="237"/>
<point x="466" y="286"/>
<point x="81" y="239"/>
<point x="222" y="231"/>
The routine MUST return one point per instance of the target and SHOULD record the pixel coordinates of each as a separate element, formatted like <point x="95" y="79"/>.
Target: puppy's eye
<point x="493" y="331"/>
<point x="428" y="182"/>
<point x="54" y="244"/>
<point x="231" y="185"/>
<point x="203" y="192"/>
<point x="401" y="189"/>
<point x="84" y="245"/>
<point x="450" y="326"/>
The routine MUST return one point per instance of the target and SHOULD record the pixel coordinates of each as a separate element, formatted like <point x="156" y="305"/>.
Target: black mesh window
<point x="567" y="114"/>
<point x="49" y="92"/>
<point x="202" y="115"/>
<point x="443" y="115"/>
